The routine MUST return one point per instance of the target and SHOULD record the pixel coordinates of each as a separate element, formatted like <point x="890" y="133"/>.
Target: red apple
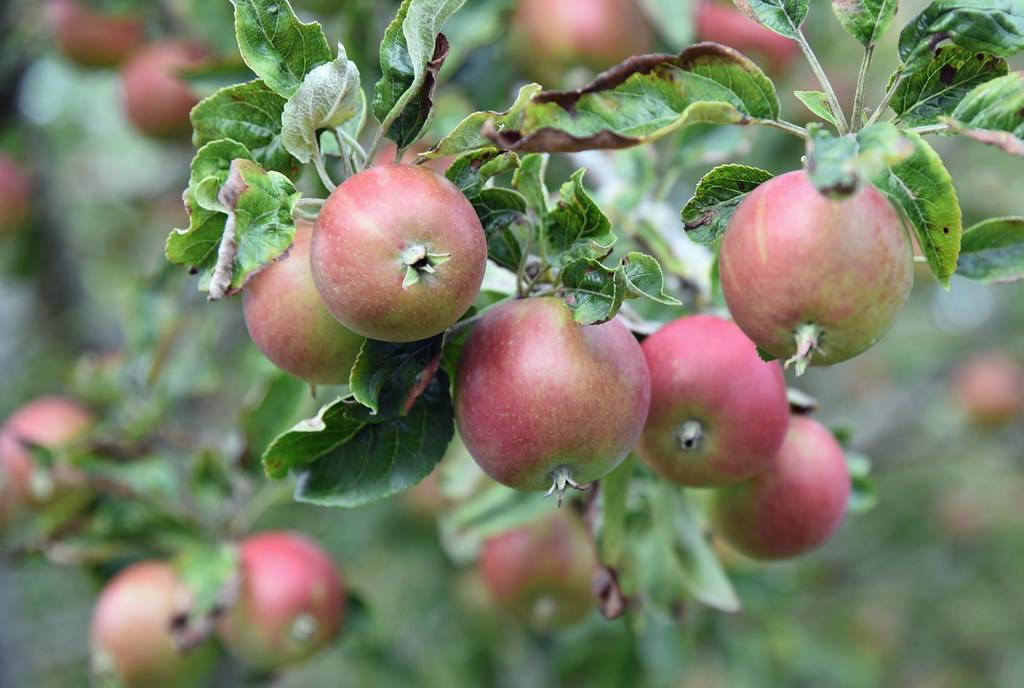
<point x="157" y="101"/>
<point x="92" y="38"/>
<point x="990" y="388"/>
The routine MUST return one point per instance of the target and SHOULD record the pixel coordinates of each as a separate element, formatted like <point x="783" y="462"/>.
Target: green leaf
<point x="279" y="48"/>
<point x="718" y="194"/>
<point x="993" y="113"/>
<point x="764" y="355"/>
<point x="988" y="26"/>
<point x="382" y="459"/>
<point x="781" y="16"/>
<point x="329" y="96"/>
<point x="865" y="20"/>
<point x="196" y="245"/>
<point x="259" y="227"/>
<point x="702" y="574"/>
<point x="529" y="181"/>
<point x="388" y="377"/>
<point x="863" y="492"/>
<point x="277" y="407"/>
<point x="502" y="212"/>
<point x="595" y="292"/>
<point x="576" y="227"/>
<point x="411" y="54"/>
<point x="937" y="88"/>
<point x="838" y="164"/>
<point x="993" y="251"/>
<point x="643" y="99"/>
<point x="469" y="135"/>
<point x="817" y="102"/>
<point x="210" y="574"/>
<point x="922" y="187"/>
<point x="310" y="439"/>
<point x="250" y="114"/>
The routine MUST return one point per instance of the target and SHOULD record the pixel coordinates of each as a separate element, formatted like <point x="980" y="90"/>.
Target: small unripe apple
<point x="724" y="23"/>
<point x="812" y="279"/>
<point x="289" y="323"/>
<point x="542" y="402"/>
<point x="718" y="412"/>
<point x="92" y="38"/>
<point x="795" y="505"/>
<point x="49" y="422"/>
<point x="398" y="253"/>
<point x="541" y="572"/>
<point x="990" y="388"/>
<point x="14" y="196"/>
<point x="291" y="603"/>
<point x="597" y="34"/>
<point x="157" y="101"/>
<point x="130" y="634"/>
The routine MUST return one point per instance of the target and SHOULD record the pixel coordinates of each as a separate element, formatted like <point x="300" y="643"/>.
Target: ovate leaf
<point x="576" y="227"/>
<point x="993" y="251"/>
<point x="279" y="48"/>
<point x="470" y="134"/>
<point x="329" y="96"/>
<point x="781" y="16"/>
<point x="250" y="114"/>
<point x="939" y="87"/>
<point x="817" y="102"/>
<point x="988" y="26"/>
<point x="865" y="20"/>
<point x="594" y="292"/>
<point x="382" y="459"/>
<point x="837" y="165"/>
<point x="388" y="377"/>
<point x="310" y="439"/>
<point x="993" y="113"/>
<point x="922" y="188"/>
<point x="716" y="198"/>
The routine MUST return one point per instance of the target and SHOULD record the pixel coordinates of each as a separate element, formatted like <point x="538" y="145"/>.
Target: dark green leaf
<point x="993" y="251"/>
<point x="716" y="198"/>
<point x="941" y="85"/>
<point x="382" y="459"/>
<point x="987" y="26"/>
<point x="922" y="187"/>
<point x="310" y="439"/>
<point x="279" y="48"/>
<point x="277" y="408"/>
<point x="576" y="227"/>
<point x="249" y="113"/>
<point x="388" y="377"/>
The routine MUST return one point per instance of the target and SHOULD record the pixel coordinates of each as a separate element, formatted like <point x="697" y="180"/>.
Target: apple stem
<point x="690" y="435"/>
<point x="808" y="342"/>
<point x="303" y="629"/>
<point x="560" y="478"/>
<point x="419" y="260"/>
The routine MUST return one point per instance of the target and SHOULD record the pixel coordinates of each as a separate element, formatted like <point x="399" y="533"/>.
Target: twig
<point x="856" y="117"/>
<point x="789" y="127"/>
<point x="897" y="82"/>
<point x="819" y="72"/>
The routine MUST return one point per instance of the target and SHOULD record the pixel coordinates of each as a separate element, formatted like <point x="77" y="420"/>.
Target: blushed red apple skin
<point x="130" y="631"/>
<point x="535" y="392"/>
<point x="285" y="577"/>
<point x="49" y="422"/>
<point x="91" y="38"/>
<point x="541" y="572"/>
<point x="289" y="323"/>
<point x="990" y="388"/>
<point x="14" y="196"/>
<point x="791" y="256"/>
<point x="552" y="36"/>
<point x="704" y="369"/>
<point x="724" y="23"/>
<point x="157" y="101"/>
<point x="795" y="505"/>
<point x="360" y="235"/>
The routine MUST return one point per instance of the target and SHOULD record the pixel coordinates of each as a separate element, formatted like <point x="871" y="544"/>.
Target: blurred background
<point x="923" y="591"/>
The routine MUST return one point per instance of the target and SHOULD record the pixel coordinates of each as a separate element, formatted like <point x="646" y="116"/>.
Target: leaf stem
<point x="885" y="100"/>
<point x="789" y="127"/>
<point x="930" y="129"/>
<point x="321" y="169"/>
<point x="819" y="72"/>
<point x="342" y="135"/>
<point x="856" y="116"/>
